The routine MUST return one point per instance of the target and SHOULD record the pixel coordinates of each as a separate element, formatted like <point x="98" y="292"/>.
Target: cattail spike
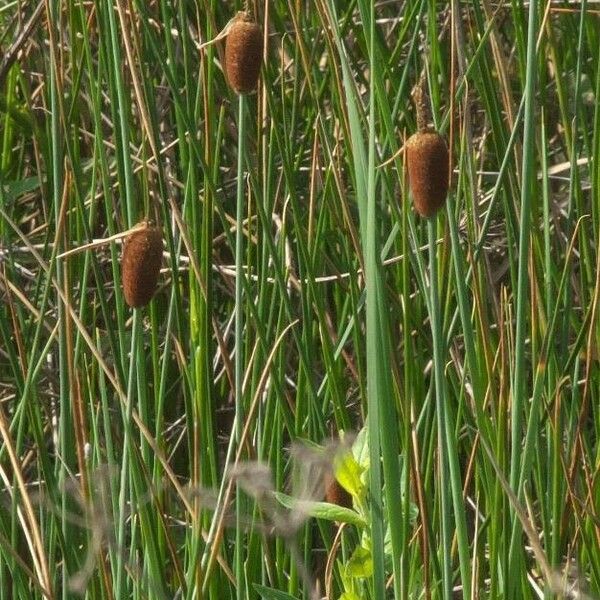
<point x="427" y="157"/>
<point x="140" y="264"/>
<point x="243" y="53"/>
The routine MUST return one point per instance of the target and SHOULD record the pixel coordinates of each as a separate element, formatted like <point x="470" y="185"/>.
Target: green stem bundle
<point x="239" y="329"/>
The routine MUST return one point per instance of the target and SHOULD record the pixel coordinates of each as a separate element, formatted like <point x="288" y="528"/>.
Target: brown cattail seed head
<point x="335" y="493"/>
<point x="140" y="265"/>
<point x="243" y="53"/>
<point x="427" y="157"/>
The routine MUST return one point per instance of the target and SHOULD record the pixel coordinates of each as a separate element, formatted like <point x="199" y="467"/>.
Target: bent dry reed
<point x="140" y="264"/>
<point x="243" y="53"/>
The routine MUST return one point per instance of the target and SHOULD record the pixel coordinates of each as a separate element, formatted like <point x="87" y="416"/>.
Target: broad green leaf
<point x="309" y="444"/>
<point x="349" y="596"/>
<point x="348" y="472"/>
<point x="360" y="448"/>
<point x="360" y="563"/>
<point x="322" y="510"/>
<point x="15" y="189"/>
<point x="271" y="594"/>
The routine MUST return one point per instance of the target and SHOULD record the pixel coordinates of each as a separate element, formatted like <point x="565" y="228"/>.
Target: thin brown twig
<point x="36" y="545"/>
<point x="217" y="538"/>
<point x="11" y="55"/>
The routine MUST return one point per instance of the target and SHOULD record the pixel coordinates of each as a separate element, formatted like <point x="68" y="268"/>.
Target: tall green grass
<point x="300" y="297"/>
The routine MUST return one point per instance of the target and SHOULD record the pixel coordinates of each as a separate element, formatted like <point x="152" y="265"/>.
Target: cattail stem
<point x="440" y="401"/>
<point x="449" y="466"/>
<point x="239" y="328"/>
<point x="124" y="490"/>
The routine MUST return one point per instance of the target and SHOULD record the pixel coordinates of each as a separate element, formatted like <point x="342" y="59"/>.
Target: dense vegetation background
<point x="463" y="350"/>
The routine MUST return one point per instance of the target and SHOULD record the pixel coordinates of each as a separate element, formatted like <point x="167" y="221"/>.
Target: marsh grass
<point x="297" y="301"/>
